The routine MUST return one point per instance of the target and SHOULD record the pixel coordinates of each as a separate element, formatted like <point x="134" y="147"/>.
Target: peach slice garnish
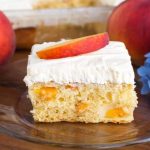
<point x="75" y="47"/>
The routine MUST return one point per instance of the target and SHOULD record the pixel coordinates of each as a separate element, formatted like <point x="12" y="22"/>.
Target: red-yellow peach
<point x="7" y="39"/>
<point x="75" y="47"/>
<point x="130" y="23"/>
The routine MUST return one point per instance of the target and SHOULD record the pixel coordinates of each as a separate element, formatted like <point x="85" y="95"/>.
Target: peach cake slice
<point x="81" y="81"/>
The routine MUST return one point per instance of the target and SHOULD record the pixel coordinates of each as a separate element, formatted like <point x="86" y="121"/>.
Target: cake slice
<point x="93" y="87"/>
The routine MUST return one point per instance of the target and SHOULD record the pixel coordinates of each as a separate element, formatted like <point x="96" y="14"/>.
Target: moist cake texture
<point x="91" y="88"/>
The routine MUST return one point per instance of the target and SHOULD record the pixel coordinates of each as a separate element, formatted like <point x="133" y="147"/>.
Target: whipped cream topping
<point x="110" y="64"/>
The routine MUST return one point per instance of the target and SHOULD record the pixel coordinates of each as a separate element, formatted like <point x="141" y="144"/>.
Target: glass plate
<point x="16" y="120"/>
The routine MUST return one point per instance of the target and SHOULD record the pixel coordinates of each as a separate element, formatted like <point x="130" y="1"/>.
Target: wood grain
<point x="10" y="143"/>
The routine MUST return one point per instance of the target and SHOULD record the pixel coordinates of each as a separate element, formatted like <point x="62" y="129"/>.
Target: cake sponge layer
<point x="89" y="103"/>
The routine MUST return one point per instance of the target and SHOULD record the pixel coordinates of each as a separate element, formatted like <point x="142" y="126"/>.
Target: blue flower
<point x="144" y="73"/>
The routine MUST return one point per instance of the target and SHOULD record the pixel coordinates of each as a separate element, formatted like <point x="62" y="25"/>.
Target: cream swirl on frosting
<point x="110" y="64"/>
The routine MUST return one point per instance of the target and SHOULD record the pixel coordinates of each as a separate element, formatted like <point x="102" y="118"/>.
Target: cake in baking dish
<point x="40" y="4"/>
<point x="38" y="26"/>
<point x="92" y="87"/>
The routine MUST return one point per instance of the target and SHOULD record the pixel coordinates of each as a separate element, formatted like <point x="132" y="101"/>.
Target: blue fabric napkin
<point x="144" y="73"/>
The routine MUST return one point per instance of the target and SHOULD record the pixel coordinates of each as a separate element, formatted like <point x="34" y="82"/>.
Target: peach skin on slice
<point x="75" y="47"/>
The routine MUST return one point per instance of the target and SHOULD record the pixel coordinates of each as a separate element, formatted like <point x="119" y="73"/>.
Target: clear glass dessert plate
<point x="16" y="119"/>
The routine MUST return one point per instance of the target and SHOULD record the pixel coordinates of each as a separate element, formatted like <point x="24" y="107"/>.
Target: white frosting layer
<point x="109" y="64"/>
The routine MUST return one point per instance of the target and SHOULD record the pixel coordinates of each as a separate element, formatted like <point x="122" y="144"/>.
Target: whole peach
<point x="130" y="23"/>
<point x="7" y="39"/>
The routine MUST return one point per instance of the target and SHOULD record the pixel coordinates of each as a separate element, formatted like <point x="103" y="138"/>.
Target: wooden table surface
<point x="11" y="143"/>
